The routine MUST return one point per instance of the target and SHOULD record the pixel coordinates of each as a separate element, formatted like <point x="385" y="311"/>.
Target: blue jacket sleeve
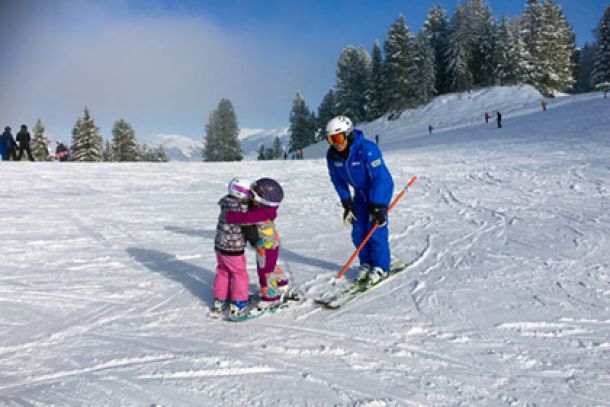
<point x="340" y="186"/>
<point x="382" y="184"/>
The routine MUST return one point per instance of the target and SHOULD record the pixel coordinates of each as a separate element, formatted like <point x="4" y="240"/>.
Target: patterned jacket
<point x="229" y="237"/>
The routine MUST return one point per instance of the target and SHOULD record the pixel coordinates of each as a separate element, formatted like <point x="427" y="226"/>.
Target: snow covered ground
<point x="106" y="274"/>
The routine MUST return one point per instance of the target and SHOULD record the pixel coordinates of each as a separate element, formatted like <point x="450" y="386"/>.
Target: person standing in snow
<point x="231" y="281"/>
<point x="486" y="117"/>
<point x="499" y="119"/>
<point x="61" y="152"/>
<point x="353" y="161"/>
<point x="543" y="104"/>
<point x="24" y="138"/>
<point x="274" y="282"/>
<point x="10" y="147"/>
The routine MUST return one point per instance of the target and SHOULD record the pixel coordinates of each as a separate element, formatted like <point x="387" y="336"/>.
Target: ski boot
<point x="237" y="308"/>
<point x="269" y="299"/>
<point x="219" y="306"/>
<point x="376" y="275"/>
<point x="363" y="273"/>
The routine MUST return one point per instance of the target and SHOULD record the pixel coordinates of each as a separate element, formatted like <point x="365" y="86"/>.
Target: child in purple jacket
<point x="231" y="280"/>
<point x="267" y="197"/>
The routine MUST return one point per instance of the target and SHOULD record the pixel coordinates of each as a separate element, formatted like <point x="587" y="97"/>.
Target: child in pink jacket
<point x="267" y="195"/>
<point x="231" y="280"/>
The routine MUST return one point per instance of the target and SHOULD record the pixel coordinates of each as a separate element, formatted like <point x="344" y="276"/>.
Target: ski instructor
<point x="357" y="162"/>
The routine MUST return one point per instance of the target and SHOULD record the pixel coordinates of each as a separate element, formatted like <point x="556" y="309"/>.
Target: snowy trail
<point x="107" y="270"/>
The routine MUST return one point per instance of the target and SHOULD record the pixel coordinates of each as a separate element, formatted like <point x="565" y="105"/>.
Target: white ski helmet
<point x="240" y="188"/>
<point x="339" y="124"/>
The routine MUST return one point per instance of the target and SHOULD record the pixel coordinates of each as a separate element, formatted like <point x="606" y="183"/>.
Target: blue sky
<point x="164" y="65"/>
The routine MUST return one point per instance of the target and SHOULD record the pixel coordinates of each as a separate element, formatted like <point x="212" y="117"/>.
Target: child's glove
<point x="348" y="212"/>
<point x="378" y="214"/>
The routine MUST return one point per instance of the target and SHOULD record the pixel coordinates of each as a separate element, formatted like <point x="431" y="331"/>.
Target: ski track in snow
<point x="107" y="276"/>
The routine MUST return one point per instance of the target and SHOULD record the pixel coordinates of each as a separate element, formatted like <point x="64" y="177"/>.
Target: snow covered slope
<point x="106" y="274"/>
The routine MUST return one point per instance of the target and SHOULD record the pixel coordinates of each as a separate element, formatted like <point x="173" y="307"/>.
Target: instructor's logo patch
<point x="376" y="163"/>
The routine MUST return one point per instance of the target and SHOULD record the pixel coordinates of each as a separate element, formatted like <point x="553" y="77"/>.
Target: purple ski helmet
<point x="268" y="192"/>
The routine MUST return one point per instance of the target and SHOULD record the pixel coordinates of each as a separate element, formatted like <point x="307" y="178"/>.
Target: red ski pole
<point x="366" y="239"/>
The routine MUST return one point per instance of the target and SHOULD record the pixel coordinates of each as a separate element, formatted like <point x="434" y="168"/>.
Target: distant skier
<point x="10" y="146"/>
<point x="24" y="138"/>
<point x="430" y="128"/>
<point x="486" y="116"/>
<point x="377" y="139"/>
<point x="231" y="280"/>
<point x="274" y="282"/>
<point x="499" y="119"/>
<point x="61" y="151"/>
<point x="354" y="161"/>
<point x="543" y="104"/>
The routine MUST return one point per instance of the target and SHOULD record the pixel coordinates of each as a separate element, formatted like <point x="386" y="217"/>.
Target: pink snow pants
<point x="231" y="280"/>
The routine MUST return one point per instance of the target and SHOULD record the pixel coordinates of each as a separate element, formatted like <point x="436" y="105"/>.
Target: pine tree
<point x="530" y="24"/>
<point x="123" y="141"/>
<point x="375" y="102"/>
<point x="437" y="29"/>
<point x="400" y="68"/>
<point x="512" y="60"/>
<point x="278" y="148"/>
<point x="161" y="154"/>
<point x="426" y="68"/>
<point x="459" y="53"/>
<point x="302" y="124"/>
<point x="555" y="51"/>
<point x="353" y="71"/>
<point x="482" y="41"/>
<point x="601" y="61"/>
<point x="326" y="111"/>
<point x="585" y="70"/>
<point x="87" y="141"/>
<point x="222" y="142"/>
<point x="40" y="143"/>
<point x="261" y="153"/>
<point x="107" y="155"/>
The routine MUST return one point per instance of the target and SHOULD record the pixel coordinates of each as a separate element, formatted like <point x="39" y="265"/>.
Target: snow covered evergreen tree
<point x="326" y="111"/>
<point x="123" y="141"/>
<point x="436" y="27"/>
<point x="107" y="154"/>
<point x="601" y="61"/>
<point x="426" y="68"/>
<point x="86" y="139"/>
<point x="512" y="60"/>
<point x="40" y="144"/>
<point x="302" y="124"/>
<point x="400" y="68"/>
<point x="459" y="53"/>
<point x="278" y="148"/>
<point x="530" y="24"/>
<point x="555" y="55"/>
<point x="353" y="71"/>
<point x="584" y="78"/>
<point x="222" y="142"/>
<point x="375" y="102"/>
<point x="162" y="154"/>
<point x="482" y="41"/>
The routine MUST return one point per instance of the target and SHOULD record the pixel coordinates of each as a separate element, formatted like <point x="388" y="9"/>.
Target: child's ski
<point x="355" y="290"/>
<point x="293" y="297"/>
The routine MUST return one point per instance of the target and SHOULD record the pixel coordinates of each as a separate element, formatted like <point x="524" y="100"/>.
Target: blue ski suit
<point x="365" y="171"/>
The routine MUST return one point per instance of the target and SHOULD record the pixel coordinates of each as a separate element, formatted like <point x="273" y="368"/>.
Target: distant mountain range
<point x="182" y="148"/>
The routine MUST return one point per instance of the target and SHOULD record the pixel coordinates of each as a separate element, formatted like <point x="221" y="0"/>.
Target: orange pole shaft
<point x="368" y="236"/>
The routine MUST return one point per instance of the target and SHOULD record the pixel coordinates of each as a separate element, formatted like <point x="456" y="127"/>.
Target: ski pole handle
<point x="368" y="236"/>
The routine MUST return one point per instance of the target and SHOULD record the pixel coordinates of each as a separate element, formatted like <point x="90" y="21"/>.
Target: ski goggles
<point x="338" y="138"/>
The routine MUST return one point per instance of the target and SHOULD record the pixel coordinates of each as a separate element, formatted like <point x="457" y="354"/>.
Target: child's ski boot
<point x="238" y="308"/>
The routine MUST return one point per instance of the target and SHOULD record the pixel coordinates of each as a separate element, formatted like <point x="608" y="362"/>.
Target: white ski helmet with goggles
<point x="340" y="124"/>
<point x="240" y="188"/>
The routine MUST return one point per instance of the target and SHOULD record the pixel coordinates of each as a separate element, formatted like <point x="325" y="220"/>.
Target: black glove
<point x="348" y="212"/>
<point x="378" y="214"/>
